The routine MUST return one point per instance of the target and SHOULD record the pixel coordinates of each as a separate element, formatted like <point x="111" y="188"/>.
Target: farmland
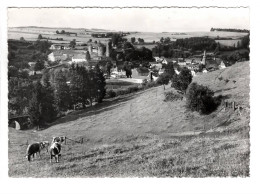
<point x="31" y="34"/>
<point x="140" y="135"/>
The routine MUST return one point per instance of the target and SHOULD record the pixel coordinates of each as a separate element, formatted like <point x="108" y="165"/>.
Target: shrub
<point x="144" y="82"/>
<point x="111" y="94"/>
<point x="151" y="84"/>
<point x="163" y="79"/>
<point x="182" y="81"/>
<point x="200" y="98"/>
<point x="132" y="89"/>
<point x="171" y="96"/>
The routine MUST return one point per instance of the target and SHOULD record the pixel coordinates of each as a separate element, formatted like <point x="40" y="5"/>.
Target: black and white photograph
<point x="128" y="92"/>
<point x="93" y="96"/>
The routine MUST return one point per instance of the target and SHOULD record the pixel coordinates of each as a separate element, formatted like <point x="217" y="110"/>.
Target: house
<point x="161" y="71"/>
<point x="57" y="56"/>
<point x="193" y="73"/>
<point x="155" y="65"/>
<point x="204" y="71"/>
<point x="64" y="55"/>
<point x="188" y="61"/>
<point x="213" y="64"/>
<point x="193" y="67"/>
<point x="31" y="64"/>
<point x="182" y="63"/>
<point x="196" y="60"/>
<point x="59" y="47"/>
<point x="222" y="65"/>
<point x="158" y="59"/>
<point x="166" y="61"/>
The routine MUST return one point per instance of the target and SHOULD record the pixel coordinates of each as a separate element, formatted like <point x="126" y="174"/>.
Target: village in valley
<point x="132" y="104"/>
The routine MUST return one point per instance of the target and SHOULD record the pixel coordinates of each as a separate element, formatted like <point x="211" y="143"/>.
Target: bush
<point x="181" y="82"/>
<point x="132" y="89"/>
<point x="200" y="98"/>
<point x="111" y="94"/>
<point x="171" y="96"/>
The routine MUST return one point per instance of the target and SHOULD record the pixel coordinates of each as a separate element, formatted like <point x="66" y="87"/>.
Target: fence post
<point x="65" y="140"/>
<point x="233" y="105"/>
<point x="82" y="140"/>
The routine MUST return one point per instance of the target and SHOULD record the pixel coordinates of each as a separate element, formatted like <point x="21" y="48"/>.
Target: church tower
<point x="107" y="50"/>
<point x="203" y="62"/>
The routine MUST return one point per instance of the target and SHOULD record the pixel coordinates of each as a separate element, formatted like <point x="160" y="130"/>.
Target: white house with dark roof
<point x="79" y="58"/>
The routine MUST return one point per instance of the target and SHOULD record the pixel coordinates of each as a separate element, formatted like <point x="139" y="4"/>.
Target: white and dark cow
<point x="35" y="148"/>
<point x="55" y="151"/>
<point x="58" y="139"/>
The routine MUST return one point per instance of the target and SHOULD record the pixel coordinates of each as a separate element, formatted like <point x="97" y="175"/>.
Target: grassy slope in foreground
<point x="140" y="135"/>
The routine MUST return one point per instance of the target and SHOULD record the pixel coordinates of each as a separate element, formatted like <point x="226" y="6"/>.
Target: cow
<point x="55" y="151"/>
<point x="35" y="148"/>
<point x="58" y="139"/>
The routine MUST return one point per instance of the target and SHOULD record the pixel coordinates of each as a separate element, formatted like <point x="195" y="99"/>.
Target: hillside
<point x="140" y="135"/>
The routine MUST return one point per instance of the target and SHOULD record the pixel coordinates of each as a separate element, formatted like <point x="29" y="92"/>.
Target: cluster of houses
<point x="206" y="63"/>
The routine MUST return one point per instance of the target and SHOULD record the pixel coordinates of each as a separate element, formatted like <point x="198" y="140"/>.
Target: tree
<point x="39" y="65"/>
<point x="48" y="105"/>
<point x="181" y="82"/>
<point x="62" y="32"/>
<point x="12" y="72"/>
<point x="127" y="69"/>
<point x="63" y="96"/>
<point x="109" y="66"/>
<point x="35" y="108"/>
<point x="200" y="98"/>
<point x="163" y="79"/>
<point x="87" y="56"/>
<point x="100" y="83"/>
<point x="39" y="37"/>
<point x="22" y="39"/>
<point x="73" y="43"/>
<point x="57" y="32"/>
<point x="133" y="40"/>
<point x="167" y="40"/>
<point x="162" y="40"/>
<point x="90" y="40"/>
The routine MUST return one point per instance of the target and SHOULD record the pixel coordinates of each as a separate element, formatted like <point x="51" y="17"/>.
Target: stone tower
<point x="203" y="62"/>
<point x="107" y="50"/>
<point x="100" y="50"/>
<point x="90" y="49"/>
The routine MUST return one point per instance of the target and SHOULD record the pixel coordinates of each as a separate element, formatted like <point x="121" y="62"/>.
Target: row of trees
<point x="48" y="97"/>
<point x="229" y="30"/>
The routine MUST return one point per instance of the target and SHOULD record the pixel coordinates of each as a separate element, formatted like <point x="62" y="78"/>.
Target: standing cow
<point x="36" y="148"/>
<point x="55" y="151"/>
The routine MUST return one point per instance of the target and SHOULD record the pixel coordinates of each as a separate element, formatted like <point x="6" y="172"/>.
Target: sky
<point x="132" y="19"/>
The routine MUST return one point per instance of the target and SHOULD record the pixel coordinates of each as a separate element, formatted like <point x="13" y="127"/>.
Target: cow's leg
<point x="39" y="154"/>
<point x="51" y="159"/>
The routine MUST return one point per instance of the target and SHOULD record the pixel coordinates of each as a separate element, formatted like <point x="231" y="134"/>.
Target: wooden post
<point x="82" y="140"/>
<point x="65" y="140"/>
<point x="233" y="105"/>
<point x="27" y="142"/>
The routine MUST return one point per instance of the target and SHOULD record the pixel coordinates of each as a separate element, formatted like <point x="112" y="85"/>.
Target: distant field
<point x="150" y="36"/>
<point x="32" y="34"/>
<point x="229" y="43"/>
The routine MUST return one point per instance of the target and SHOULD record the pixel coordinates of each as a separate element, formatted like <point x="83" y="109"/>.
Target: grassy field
<point x="151" y="36"/>
<point x="229" y="43"/>
<point x="31" y="34"/>
<point x="140" y="135"/>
